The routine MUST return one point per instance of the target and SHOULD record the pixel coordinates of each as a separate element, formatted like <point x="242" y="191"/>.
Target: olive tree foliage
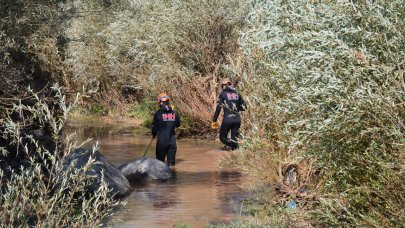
<point x="86" y="47"/>
<point x="32" y="54"/>
<point x="325" y="89"/>
<point x="29" y="38"/>
<point x="30" y="62"/>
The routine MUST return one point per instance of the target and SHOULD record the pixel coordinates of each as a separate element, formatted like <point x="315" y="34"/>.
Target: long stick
<point x="148" y="147"/>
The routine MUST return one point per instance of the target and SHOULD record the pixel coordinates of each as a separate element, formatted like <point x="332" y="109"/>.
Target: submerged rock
<point x="101" y="168"/>
<point x="146" y="167"/>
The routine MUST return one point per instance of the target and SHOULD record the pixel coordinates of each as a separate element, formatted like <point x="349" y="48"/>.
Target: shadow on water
<point x="199" y="194"/>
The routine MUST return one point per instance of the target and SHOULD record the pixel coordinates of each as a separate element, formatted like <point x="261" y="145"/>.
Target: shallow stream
<point x="200" y="194"/>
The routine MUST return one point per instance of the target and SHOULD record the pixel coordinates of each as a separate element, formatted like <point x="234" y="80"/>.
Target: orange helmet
<point x="226" y="81"/>
<point x="163" y="97"/>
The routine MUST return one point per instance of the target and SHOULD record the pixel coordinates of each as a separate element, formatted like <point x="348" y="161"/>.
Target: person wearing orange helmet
<point x="165" y="121"/>
<point x="232" y="103"/>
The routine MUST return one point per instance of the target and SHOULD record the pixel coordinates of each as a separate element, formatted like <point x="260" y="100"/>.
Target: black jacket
<point x="232" y="103"/>
<point x="165" y="121"/>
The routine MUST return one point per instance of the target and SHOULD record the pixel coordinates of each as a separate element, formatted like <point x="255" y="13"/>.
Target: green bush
<point x="97" y="109"/>
<point x="325" y="91"/>
<point x="29" y="47"/>
<point x="144" y="111"/>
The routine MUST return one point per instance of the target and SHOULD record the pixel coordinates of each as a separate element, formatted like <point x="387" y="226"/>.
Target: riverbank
<point x="138" y="114"/>
<point x="78" y="119"/>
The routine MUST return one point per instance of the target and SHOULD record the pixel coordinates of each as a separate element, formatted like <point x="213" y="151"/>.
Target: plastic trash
<point x="292" y="204"/>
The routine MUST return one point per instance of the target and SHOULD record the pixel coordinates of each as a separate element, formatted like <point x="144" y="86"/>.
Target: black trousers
<point x="233" y="127"/>
<point x="167" y="148"/>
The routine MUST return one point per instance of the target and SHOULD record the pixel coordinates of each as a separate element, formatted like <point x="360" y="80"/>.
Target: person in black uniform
<point x="165" y="121"/>
<point x="232" y="103"/>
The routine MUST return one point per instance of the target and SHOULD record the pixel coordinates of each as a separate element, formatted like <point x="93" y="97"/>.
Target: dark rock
<point x="146" y="167"/>
<point x="101" y="168"/>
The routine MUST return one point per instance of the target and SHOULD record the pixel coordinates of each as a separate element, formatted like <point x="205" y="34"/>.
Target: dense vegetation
<point x="140" y="48"/>
<point x="324" y="83"/>
<point x="35" y="191"/>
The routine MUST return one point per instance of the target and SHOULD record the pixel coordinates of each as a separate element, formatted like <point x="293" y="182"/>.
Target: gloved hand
<point x="214" y="125"/>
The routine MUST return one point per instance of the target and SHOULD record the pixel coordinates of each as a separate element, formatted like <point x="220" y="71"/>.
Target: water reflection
<point x="200" y="193"/>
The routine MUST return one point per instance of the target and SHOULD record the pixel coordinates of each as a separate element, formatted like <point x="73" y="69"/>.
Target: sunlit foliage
<point x="149" y="47"/>
<point x="325" y="85"/>
<point x="323" y="81"/>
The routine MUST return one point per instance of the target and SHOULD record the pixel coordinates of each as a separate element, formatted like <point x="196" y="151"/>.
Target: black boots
<point x="228" y="148"/>
<point x="171" y="164"/>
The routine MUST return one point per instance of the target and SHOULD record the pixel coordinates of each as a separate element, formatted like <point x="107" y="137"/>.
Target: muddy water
<point x="200" y="194"/>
